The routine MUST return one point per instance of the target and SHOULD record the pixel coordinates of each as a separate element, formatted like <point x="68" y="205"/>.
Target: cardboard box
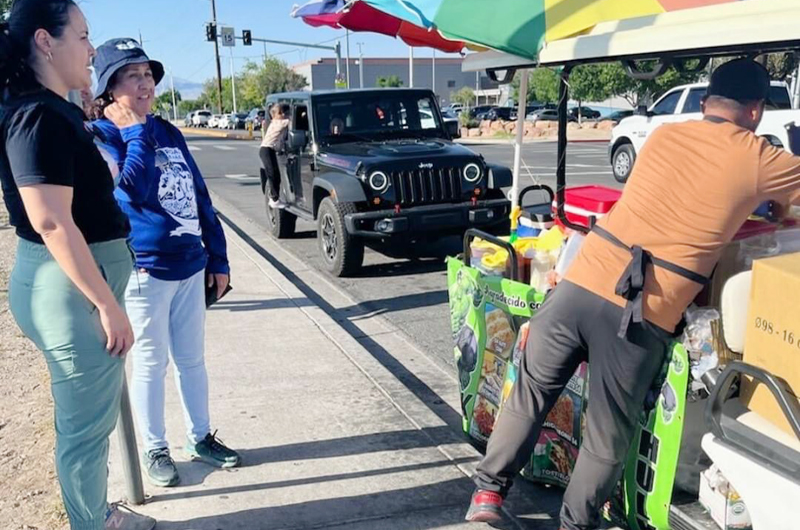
<point x="772" y="337"/>
<point x="723" y="502"/>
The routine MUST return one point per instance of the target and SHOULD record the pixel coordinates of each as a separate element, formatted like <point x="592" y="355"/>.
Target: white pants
<point x="168" y="318"/>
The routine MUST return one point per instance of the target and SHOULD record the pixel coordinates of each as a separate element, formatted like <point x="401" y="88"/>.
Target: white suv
<point x="201" y="118"/>
<point x="683" y="104"/>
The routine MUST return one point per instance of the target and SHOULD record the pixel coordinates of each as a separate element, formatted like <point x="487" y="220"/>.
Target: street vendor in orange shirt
<point x="620" y="302"/>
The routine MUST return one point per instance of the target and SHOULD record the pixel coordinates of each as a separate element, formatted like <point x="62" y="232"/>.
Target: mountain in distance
<point x="188" y="89"/>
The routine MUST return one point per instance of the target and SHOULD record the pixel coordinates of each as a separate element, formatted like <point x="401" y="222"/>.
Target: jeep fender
<point x="343" y="188"/>
<point x="499" y="176"/>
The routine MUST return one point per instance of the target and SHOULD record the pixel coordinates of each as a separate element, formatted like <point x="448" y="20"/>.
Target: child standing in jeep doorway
<point x="273" y="143"/>
<point x="180" y="249"/>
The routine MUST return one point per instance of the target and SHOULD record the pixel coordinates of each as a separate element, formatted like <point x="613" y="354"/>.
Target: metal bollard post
<point x="127" y="448"/>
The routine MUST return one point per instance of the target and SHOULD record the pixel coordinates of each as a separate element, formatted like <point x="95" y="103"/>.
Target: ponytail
<point x="26" y="17"/>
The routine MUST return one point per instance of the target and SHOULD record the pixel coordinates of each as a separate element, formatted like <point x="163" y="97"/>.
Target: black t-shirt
<point x="46" y="142"/>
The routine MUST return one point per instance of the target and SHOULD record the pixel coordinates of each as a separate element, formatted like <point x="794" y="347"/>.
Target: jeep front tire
<point x="342" y="254"/>
<point x="280" y="223"/>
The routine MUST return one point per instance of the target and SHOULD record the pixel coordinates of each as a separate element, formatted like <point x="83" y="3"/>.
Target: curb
<point x="505" y="141"/>
<point x="215" y="134"/>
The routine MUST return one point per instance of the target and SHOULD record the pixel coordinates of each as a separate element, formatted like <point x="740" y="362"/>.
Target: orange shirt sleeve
<point x="779" y="173"/>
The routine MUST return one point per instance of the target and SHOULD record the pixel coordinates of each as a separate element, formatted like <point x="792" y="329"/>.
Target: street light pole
<point x="347" y="67"/>
<point x="216" y="56"/>
<point x="174" y="103"/>
<point x="360" y="65"/>
<point x="410" y="67"/>
<point x="433" y="71"/>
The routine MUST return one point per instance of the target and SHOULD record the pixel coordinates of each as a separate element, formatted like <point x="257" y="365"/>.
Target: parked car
<point x="619" y="115"/>
<point x="546" y="114"/>
<point x="683" y="104"/>
<point x="379" y="167"/>
<point x="213" y="122"/>
<point x="201" y="118"/>
<point x="232" y="121"/>
<point x="585" y="112"/>
<point x="456" y="108"/>
<point x="480" y="111"/>
<point x="501" y="113"/>
<point x="187" y="120"/>
<point x="256" y="117"/>
<point x="452" y="117"/>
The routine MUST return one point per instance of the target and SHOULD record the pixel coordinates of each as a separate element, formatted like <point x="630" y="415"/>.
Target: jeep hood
<point x="396" y="150"/>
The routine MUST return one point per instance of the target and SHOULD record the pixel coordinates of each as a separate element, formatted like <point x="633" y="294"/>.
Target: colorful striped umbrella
<point x="360" y="16"/>
<point x="522" y="27"/>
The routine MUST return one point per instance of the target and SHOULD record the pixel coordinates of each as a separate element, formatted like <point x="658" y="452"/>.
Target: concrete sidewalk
<point x="332" y="435"/>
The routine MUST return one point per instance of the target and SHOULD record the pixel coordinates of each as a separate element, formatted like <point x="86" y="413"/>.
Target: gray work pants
<point x="575" y="325"/>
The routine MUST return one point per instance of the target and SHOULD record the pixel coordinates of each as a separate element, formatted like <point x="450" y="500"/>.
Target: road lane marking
<point x="224" y="147"/>
<point x="242" y="176"/>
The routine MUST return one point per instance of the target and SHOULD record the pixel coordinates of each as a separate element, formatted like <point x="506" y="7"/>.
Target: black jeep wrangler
<point x="376" y="167"/>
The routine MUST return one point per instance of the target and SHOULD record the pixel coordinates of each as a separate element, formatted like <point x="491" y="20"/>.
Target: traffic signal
<point x="211" y="32"/>
<point x="247" y="37"/>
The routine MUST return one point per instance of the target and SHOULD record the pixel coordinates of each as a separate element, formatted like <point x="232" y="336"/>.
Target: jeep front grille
<point x="427" y="186"/>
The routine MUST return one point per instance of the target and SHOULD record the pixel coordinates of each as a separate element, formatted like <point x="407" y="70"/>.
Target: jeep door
<point x="299" y="160"/>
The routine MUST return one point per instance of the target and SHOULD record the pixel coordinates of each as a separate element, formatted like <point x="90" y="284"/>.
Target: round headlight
<point x="378" y="181"/>
<point x="472" y="172"/>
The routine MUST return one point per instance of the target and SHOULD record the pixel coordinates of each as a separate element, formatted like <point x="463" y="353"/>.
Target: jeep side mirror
<point x="297" y="140"/>
<point x="453" y="129"/>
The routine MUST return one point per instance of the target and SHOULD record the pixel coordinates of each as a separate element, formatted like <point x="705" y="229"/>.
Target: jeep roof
<point x="316" y="93"/>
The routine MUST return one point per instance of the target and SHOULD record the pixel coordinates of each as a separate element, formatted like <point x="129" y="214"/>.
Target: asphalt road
<point x="411" y="293"/>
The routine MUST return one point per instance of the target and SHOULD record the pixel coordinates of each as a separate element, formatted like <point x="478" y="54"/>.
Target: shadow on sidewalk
<point x="257" y="305"/>
<point x="289" y="483"/>
<point x="421" y="508"/>
<point x="373" y="308"/>
<point x="352" y="445"/>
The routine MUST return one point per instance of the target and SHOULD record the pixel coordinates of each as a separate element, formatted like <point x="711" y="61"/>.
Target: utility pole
<point x="233" y="83"/>
<point x="216" y="56"/>
<point x="174" y="103"/>
<point x="265" y="52"/>
<point x="360" y="65"/>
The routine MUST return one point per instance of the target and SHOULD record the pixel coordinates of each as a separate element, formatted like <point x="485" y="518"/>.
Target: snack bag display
<point x="555" y="452"/>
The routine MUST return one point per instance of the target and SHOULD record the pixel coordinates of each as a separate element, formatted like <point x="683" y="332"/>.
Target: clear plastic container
<point x="541" y="264"/>
<point x="568" y="253"/>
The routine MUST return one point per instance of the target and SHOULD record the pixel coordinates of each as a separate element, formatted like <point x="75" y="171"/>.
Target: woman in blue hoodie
<point x="180" y="249"/>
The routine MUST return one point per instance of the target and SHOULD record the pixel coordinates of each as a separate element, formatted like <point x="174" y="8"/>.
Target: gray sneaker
<point x="160" y="468"/>
<point x="212" y="451"/>
<point x="120" y="517"/>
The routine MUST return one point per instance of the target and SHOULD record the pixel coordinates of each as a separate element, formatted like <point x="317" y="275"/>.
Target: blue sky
<point x="173" y="32"/>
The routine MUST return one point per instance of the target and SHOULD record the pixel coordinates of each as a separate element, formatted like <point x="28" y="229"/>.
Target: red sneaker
<point x="484" y="507"/>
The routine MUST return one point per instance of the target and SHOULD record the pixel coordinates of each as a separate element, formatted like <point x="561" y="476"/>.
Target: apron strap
<point x="631" y="284"/>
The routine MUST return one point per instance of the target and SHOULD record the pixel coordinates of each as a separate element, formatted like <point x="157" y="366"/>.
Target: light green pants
<point x="86" y="381"/>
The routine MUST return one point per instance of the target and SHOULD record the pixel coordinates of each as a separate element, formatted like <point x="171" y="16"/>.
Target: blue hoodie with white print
<point x="175" y="232"/>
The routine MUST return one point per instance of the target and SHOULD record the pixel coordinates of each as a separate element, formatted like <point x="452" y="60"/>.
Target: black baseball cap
<point x="119" y="53"/>
<point x="742" y="80"/>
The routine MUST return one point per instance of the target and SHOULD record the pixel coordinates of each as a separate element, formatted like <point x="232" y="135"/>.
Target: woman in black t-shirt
<point x="72" y="263"/>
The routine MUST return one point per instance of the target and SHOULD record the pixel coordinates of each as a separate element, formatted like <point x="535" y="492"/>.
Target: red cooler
<point x="583" y="202"/>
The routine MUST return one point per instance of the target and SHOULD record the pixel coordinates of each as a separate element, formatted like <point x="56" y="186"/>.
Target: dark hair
<point x="102" y="102"/>
<point x="16" y="39"/>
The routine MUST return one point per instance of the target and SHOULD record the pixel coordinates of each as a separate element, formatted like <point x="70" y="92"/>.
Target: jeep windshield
<point x="374" y="116"/>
